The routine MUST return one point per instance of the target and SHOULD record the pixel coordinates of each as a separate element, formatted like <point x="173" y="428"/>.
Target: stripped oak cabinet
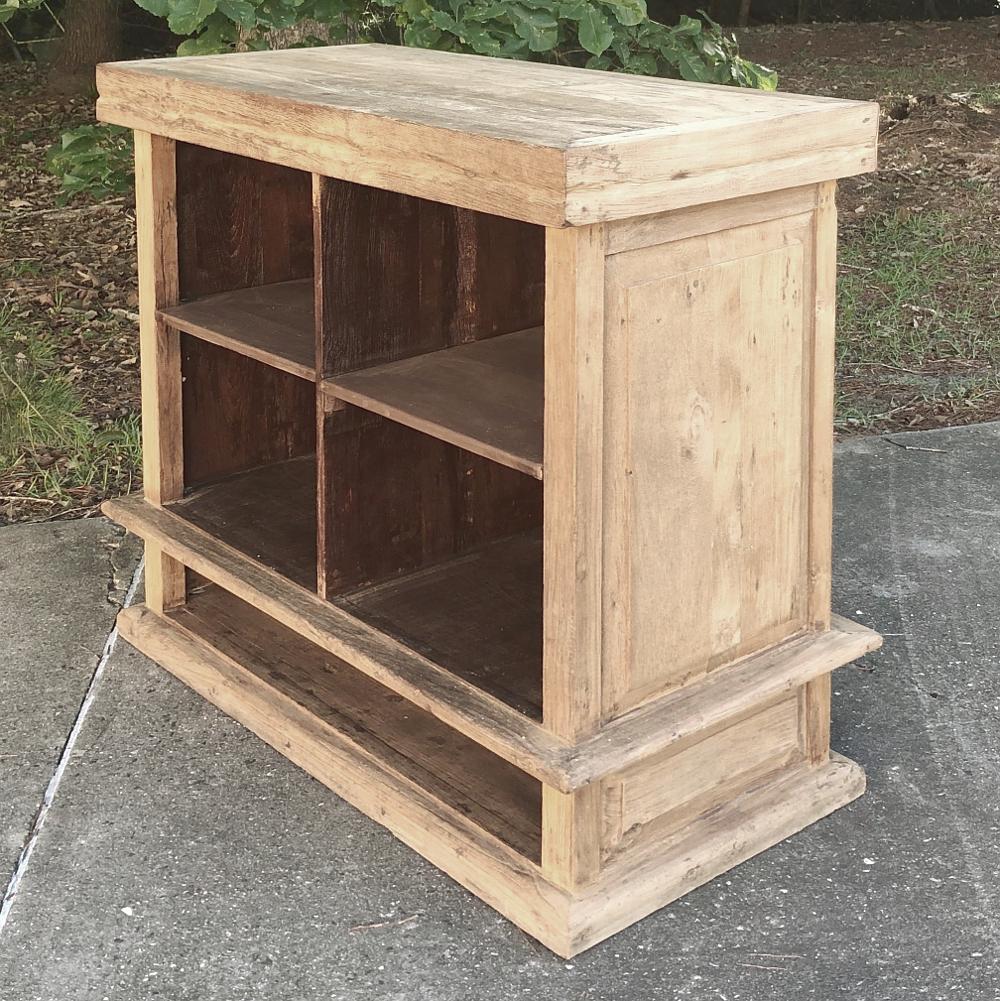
<point x="487" y="412"/>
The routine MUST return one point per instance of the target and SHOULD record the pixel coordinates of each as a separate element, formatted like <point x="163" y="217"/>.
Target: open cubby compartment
<point x="297" y="678"/>
<point x="429" y="450"/>
<point x="247" y="345"/>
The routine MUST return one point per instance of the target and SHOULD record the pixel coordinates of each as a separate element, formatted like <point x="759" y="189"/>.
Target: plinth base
<point x="487" y="839"/>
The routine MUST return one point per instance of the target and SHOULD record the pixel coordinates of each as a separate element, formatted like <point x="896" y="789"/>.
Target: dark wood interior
<point x="420" y="510"/>
<point x="500" y="798"/>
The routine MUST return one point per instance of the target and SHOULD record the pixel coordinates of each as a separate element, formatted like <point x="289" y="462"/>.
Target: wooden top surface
<point x="529" y="140"/>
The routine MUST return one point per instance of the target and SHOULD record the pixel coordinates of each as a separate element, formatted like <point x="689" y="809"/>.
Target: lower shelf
<point x="499" y="798"/>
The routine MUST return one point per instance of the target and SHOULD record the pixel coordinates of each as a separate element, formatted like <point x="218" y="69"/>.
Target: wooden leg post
<point x="159" y="347"/>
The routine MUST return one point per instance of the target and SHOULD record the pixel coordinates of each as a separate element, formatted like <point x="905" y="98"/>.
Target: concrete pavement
<point x="183" y="859"/>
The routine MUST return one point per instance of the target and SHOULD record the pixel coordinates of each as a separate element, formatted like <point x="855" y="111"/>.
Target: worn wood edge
<point x="473" y="712"/>
<point x="723" y="695"/>
<point x="483" y="864"/>
<point x="433" y="168"/>
<point x="635" y="884"/>
<point x="341" y="388"/>
<point x="612" y="180"/>
<point x="175" y="316"/>
<point x="646" y="731"/>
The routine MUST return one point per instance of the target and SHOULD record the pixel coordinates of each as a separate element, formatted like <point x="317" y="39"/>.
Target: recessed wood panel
<point x="705" y="455"/>
<point x="679" y="784"/>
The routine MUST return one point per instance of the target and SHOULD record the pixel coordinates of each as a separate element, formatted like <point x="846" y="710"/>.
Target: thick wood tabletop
<point x="547" y="144"/>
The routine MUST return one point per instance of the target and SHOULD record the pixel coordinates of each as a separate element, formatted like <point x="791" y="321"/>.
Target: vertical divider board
<point x="162" y="457"/>
<point x="240" y="223"/>
<point x="398" y="276"/>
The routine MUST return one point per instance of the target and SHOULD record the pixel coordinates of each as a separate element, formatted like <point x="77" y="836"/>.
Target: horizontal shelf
<point x="498" y="797"/>
<point x="268" y="512"/>
<point x="485" y="396"/>
<point x="650" y="729"/>
<point x="274" y="324"/>
<point x="479" y="616"/>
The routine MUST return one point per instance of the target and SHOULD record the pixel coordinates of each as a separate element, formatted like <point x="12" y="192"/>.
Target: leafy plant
<point x="95" y="160"/>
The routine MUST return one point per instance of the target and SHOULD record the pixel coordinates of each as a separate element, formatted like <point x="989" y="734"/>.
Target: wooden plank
<point x="241" y="222"/>
<point x="485" y="396"/>
<point x="159" y="351"/>
<point x="271" y="323"/>
<point x="673" y="169"/>
<point x="547" y="144"/>
<point x="669" y="789"/>
<point x="723" y="695"/>
<point x="267" y="512"/>
<point x="469" y="710"/>
<point x="573" y="411"/>
<point x="494" y="794"/>
<point x="240" y="413"/>
<point x="681" y="224"/>
<point x="399" y="277"/>
<point x="705" y="549"/>
<point x="482" y="863"/>
<point x="478" y="615"/>
<point x="647" y="730"/>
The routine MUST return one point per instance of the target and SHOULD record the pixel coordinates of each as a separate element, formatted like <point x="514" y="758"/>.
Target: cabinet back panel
<point x="240" y="222"/>
<point x="240" y="413"/>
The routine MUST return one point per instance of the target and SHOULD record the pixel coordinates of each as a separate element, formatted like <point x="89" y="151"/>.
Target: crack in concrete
<point x="38" y="821"/>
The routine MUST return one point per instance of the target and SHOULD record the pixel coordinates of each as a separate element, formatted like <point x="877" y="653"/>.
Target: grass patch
<point x="50" y="452"/>
<point x="910" y="293"/>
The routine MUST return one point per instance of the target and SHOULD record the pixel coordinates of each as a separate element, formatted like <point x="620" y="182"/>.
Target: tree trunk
<point x="743" y="19"/>
<point x="92" y="36"/>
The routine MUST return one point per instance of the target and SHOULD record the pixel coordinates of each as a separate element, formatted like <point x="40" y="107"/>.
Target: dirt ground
<point x="920" y="254"/>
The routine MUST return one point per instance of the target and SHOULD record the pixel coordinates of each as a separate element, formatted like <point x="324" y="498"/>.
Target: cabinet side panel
<point x="705" y="457"/>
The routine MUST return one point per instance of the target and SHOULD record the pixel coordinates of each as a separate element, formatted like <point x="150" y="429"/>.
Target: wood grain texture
<point x="399" y="277"/>
<point x="484" y="396"/>
<point x="369" y="779"/>
<point x="267" y="512"/>
<point x="226" y="428"/>
<point x="271" y="323"/>
<point x="455" y="770"/>
<point x="240" y="222"/>
<point x="159" y="350"/>
<point x="394" y="501"/>
<point x="574" y="414"/>
<point x="546" y="144"/>
<point x="648" y="730"/>
<point x="478" y="615"/>
<point x="639" y="882"/>
<point x="485" y="719"/>
<point x="707" y="553"/>
<point x="667" y="790"/>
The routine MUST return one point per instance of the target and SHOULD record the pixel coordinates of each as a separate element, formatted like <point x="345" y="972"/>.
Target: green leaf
<point x="538" y="28"/>
<point x="159" y="8"/>
<point x="595" y="32"/>
<point x="241" y="12"/>
<point x="628" y="12"/>
<point x="692" y="68"/>
<point x="187" y="16"/>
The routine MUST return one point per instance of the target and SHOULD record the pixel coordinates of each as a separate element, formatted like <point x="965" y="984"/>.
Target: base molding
<point x="631" y="886"/>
